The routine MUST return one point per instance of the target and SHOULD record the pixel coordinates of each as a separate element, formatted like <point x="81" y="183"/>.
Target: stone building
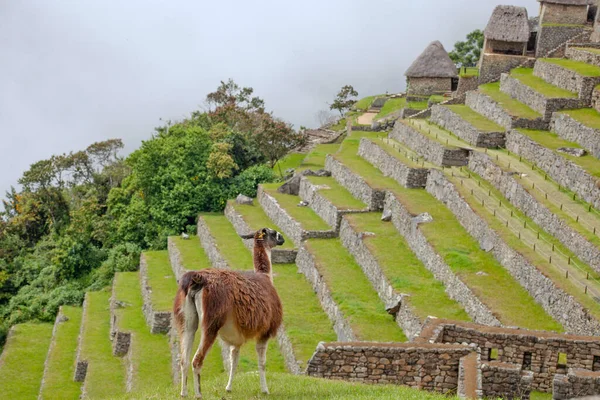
<point x="561" y="21"/>
<point x="432" y="72"/>
<point x="570" y="12"/>
<point x="506" y="37"/>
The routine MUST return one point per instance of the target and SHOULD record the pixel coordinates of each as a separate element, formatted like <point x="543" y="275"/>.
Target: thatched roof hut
<point x="434" y="62"/>
<point x="569" y="2"/>
<point x="508" y="24"/>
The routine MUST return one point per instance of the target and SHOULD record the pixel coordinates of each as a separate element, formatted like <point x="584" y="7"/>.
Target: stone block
<point x="449" y="120"/>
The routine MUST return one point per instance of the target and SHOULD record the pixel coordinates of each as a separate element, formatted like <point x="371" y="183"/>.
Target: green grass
<point x="395" y="149"/>
<point x="150" y="355"/>
<point x="589" y="50"/>
<point x="309" y="219"/>
<point x="436" y="98"/>
<point x="22" y="361"/>
<point x="458" y="249"/>
<point x="540" y="396"/>
<point x="289" y="387"/>
<point x="581" y="68"/>
<point x="587" y="116"/>
<point x="292" y="160"/>
<point x="480" y="122"/>
<point x="390" y="106"/>
<point x="316" y="158"/>
<point x="512" y="106"/>
<point x="337" y="194"/>
<point x="306" y="324"/>
<point x="365" y="103"/>
<point x="552" y="141"/>
<point x="404" y="270"/>
<point x="105" y="373"/>
<point x="429" y="130"/>
<point x="58" y="382"/>
<point x="526" y="77"/>
<point x="468" y="72"/>
<point x="352" y="291"/>
<point x="340" y="126"/>
<point x="192" y="254"/>
<point x="161" y="280"/>
<point x="256" y="218"/>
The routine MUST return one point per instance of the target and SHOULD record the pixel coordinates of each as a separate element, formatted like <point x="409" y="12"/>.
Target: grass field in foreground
<point x="526" y="77"/>
<point x="96" y="348"/>
<point x="22" y="361"/>
<point x="60" y="369"/>
<point x="480" y="122"/>
<point x="512" y="106"/>
<point x="256" y="218"/>
<point x="404" y="270"/>
<point x="161" y="279"/>
<point x="309" y="219"/>
<point x="353" y="292"/>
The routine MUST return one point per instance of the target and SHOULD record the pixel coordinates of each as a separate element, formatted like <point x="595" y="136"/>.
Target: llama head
<point x="268" y="237"/>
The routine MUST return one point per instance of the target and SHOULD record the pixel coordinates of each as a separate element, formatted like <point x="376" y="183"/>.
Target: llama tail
<point x="191" y="281"/>
<point x="184" y="307"/>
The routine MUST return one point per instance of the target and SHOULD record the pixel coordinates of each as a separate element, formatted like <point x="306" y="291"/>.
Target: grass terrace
<point x="512" y="106"/>
<point x="404" y="270"/>
<point x="96" y="348"/>
<point x="256" y="218"/>
<point x="339" y="126"/>
<point x="292" y="160"/>
<point x="390" y="106"/>
<point x="22" y="361"/>
<point x="193" y="256"/>
<point x="336" y="193"/>
<point x="433" y="132"/>
<point x="398" y="151"/>
<point x="60" y="369"/>
<point x="526" y="77"/>
<point x="365" y="103"/>
<point x="150" y="356"/>
<point x="581" y="68"/>
<point x="589" y="50"/>
<point x="480" y="122"/>
<point x="459" y="250"/>
<point x="316" y="158"/>
<point x="587" y="116"/>
<point x="161" y="280"/>
<point x="553" y="142"/>
<point x="309" y="219"/>
<point x="352" y="291"/>
<point x="467" y="72"/>
<point x="436" y="98"/>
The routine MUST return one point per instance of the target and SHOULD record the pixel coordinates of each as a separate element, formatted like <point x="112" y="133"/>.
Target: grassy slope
<point x="512" y="106"/>
<point x="309" y="219"/>
<point x="58" y="382"/>
<point x="292" y="160"/>
<point x="316" y="158"/>
<point x="22" y="361"/>
<point x="404" y="270"/>
<point x="365" y="102"/>
<point x="96" y="348"/>
<point x="290" y="387"/>
<point x="256" y="218"/>
<point x="161" y="280"/>
<point x="581" y="68"/>
<point x="353" y="293"/>
<point x="553" y="142"/>
<point x="390" y="106"/>
<point x="336" y="193"/>
<point x="430" y="130"/>
<point x="480" y="122"/>
<point x="400" y="152"/>
<point x="587" y="116"/>
<point x="525" y="76"/>
<point x="459" y="250"/>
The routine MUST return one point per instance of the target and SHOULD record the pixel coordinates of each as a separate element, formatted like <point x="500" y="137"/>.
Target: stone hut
<point x="561" y="21"/>
<point x="569" y="12"/>
<point x="432" y="72"/>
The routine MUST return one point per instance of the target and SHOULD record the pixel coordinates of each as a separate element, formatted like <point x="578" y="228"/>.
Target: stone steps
<point x="158" y="288"/>
<point x="569" y="128"/>
<point x="465" y="126"/>
<point x="568" y="76"/>
<point x="585" y="55"/>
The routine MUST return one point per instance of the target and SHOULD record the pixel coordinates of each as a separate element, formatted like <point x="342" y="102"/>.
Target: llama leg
<point x="261" y="351"/>
<point x="234" y="357"/>
<point x="187" y="341"/>
<point x="206" y="342"/>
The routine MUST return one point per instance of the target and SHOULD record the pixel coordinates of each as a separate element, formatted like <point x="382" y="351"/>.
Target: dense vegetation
<point x="81" y="217"/>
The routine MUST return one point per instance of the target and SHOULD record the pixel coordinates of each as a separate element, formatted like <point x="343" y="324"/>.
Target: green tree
<point x="466" y="53"/>
<point x="344" y="99"/>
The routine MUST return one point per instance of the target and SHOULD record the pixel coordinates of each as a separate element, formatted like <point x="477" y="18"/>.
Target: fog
<point x="77" y="72"/>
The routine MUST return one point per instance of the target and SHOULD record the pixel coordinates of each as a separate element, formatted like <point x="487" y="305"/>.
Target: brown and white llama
<point x="233" y="305"/>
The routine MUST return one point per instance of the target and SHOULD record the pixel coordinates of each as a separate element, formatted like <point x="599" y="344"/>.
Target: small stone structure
<point x="560" y="21"/>
<point x="432" y="72"/>
<point x="576" y="384"/>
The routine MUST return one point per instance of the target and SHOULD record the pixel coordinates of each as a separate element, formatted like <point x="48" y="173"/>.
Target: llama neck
<point x="262" y="259"/>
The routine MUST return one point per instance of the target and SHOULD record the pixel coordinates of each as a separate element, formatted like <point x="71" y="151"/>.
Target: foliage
<point x="466" y="53"/>
<point x="344" y="99"/>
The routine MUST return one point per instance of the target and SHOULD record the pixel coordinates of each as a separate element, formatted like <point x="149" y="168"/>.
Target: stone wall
<point x="500" y="46"/>
<point x="428" y="366"/>
<point x="449" y="120"/>
<point x="563" y="14"/>
<point x="492" y="66"/>
<point x="158" y="321"/>
<point x="506" y="381"/>
<point x="574" y="131"/>
<point x="432" y="150"/>
<point x="408" y="112"/>
<point x="550" y="37"/>
<point x="81" y="365"/>
<point x="357" y="186"/>
<point x="292" y="228"/>
<point x="566" y="79"/>
<point x="307" y="266"/>
<point x="489" y="108"/>
<point x="428" y="86"/>
<point x="209" y="244"/>
<point x="391" y="166"/>
<point x="120" y="339"/>
<point x="587" y="57"/>
<point x="541" y="288"/>
<point x="596" y="100"/>
<point x="405" y="224"/>
<point x="576" y="383"/>
<point x="535" y="100"/>
<point x="518" y="196"/>
<point x="278" y="255"/>
<point x="563" y="171"/>
<point x="175" y="259"/>
<point x="467" y="83"/>
<point x="406" y="318"/>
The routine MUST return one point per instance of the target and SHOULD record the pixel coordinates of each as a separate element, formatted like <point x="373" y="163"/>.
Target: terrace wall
<point x="428" y="86"/>
<point x="492" y="66"/>
<point x="158" y="321"/>
<point x="551" y="37"/>
<point x="448" y="119"/>
<point x="563" y="14"/>
<point x="467" y="83"/>
<point x="506" y="381"/>
<point x="572" y="130"/>
<point x="577" y="383"/>
<point x="566" y="79"/>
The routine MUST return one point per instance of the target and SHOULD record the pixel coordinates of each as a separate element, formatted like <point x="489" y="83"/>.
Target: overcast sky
<point x="74" y="72"/>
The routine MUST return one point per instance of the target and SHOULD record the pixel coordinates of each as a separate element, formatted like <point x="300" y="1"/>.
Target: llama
<point x="236" y="306"/>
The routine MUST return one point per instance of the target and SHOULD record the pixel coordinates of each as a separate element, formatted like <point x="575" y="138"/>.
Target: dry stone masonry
<point x="574" y="131"/>
<point x="158" y="321"/>
<point x="577" y="383"/>
<point x="566" y="78"/>
<point x="449" y="120"/>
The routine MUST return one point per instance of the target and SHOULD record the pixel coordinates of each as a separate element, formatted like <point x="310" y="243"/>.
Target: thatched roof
<point x="569" y="2"/>
<point x="434" y="62"/>
<point x="508" y="24"/>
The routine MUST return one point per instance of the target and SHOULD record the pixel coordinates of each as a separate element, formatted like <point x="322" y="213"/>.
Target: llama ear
<point x="248" y="236"/>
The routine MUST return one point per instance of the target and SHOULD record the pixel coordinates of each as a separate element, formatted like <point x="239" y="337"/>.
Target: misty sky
<point x="78" y="71"/>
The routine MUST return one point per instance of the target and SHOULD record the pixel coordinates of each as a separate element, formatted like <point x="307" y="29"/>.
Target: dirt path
<point x="366" y="118"/>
